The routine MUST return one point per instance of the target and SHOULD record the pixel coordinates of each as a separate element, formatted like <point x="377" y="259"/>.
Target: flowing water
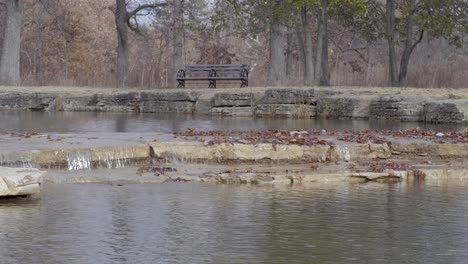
<point x="203" y="223"/>
<point x="207" y="223"/>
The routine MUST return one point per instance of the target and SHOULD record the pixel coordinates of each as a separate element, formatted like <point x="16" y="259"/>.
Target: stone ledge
<point x="296" y="102"/>
<point x="249" y="152"/>
<point x="455" y="111"/>
<point x="87" y="157"/>
<point x="344" y="106"/>
<point x="20" y="181"/>
<point x="431" y="149"/>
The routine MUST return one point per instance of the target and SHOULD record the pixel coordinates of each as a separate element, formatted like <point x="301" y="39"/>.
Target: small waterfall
<point x="344" y="153"/>
<point x="116" y="158"/>
<point x="111" y="159"/>
<point x="79" y="160"/>
<point x="16" y="159"/>
<point x="173" y="159"/>
<point x="75" y="159"/>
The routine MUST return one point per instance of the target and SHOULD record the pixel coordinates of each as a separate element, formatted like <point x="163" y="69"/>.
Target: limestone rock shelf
<point x="20" y="181"/>
<point x="215" y="159"/>
<point x="406" y="105"/>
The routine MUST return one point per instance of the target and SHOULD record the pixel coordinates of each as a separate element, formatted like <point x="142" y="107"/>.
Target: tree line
<point x="286" y="42"/>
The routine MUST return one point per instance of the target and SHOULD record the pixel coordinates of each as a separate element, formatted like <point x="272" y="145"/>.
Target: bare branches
<point x="134" y="13"/>
<point x="143" y="7"/>
<point x="421" y="35"/>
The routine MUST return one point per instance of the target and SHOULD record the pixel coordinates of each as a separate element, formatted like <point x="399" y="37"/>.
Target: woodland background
<point x="75" y="42"/>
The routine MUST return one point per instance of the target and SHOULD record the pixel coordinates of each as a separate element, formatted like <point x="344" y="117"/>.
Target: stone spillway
<point x="244" y="157"/>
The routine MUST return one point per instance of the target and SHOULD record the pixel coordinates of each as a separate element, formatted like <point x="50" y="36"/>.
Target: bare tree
<point x="278" y="43"/>
<point x="321" y="68"/>
<point x="411" y="37"/>
<point x="305" y="40"/>
<point x="123" y="21"/>
<point x="177" y="38"/>
<point x="10" y="56"/>
<point x="409" y="45"/>
<point x="390" y="33"/>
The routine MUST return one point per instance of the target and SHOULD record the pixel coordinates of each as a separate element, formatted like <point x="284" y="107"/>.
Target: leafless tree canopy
<point x="142" y="43"/>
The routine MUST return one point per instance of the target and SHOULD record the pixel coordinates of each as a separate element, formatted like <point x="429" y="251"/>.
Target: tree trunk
<point x="290" y="61"/>
<point x="10" y="58"/>
<point x="321" y="68"/>
<point x="409" y="45"/>
<point x="178" y="40"/>
<point x="2" y="25"/>
<point x="122" y="39"/>
<point x="390" y="32"/>
<point x="278" y="44"/>
<point x="307" y="49"/>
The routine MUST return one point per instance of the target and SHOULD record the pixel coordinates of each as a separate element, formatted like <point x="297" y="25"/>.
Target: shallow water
<point x="76" y="122"/>
<point x="204" y="223"/>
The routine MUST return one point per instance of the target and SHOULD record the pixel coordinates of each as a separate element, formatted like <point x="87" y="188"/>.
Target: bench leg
<point x="244" y="83"/>
<point x="212" y="84"/>
<point x="181" y="84"/>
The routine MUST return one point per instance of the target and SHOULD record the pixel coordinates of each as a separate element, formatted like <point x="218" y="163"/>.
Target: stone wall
<point x="397" y="108"/>
<point x="441" y="111"/>
<point x="275" y="102"/>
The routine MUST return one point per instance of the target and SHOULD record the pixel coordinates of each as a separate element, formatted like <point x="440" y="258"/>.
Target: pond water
<point x="76" y="122"/>
<point x="207" y="223"/>
<point x="203" y="223"/>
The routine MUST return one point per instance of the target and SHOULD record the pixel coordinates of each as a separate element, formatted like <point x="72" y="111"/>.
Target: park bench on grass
<point x="213" y="73"/>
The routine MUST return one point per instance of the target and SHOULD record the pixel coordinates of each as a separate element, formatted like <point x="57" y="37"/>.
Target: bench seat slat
<point x="219" y="65"/>
<point x="218" y="70"/>
<point x="214" y="69"/>
<point x="210" y="78"/>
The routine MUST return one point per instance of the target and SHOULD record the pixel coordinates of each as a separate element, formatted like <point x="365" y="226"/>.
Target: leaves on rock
<point x="311" y="137"/>
<point x="156" y="170"/>
<point x="275" y="137"/>
<point x="386" y="166"/>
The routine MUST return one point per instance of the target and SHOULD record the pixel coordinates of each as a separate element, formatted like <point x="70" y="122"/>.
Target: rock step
<point x="20" y="181"/>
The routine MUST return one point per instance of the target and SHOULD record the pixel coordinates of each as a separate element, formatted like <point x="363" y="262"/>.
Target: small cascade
<point x="79" y="160"/>
<point x="16" y="159"/>
<point x="116" y="158"/>
<point x="76" y="159"/>
<point x="172" y="159"/>
<point x="344" y="153"/>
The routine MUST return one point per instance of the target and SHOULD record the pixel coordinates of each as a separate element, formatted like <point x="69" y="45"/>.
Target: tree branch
<point x="142" y="7"/>
<point x="134" y="13"/>
<point x="421" y="35"/>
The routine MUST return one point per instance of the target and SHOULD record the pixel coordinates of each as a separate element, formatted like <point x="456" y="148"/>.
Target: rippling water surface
<point x="76" y="122"/>
<point x="204" y="223"/>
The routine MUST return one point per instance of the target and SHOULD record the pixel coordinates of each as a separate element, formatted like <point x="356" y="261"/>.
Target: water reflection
<point x="64" y="122"/>
<point x="119" y="237"/>
<point x="197" y="223"/>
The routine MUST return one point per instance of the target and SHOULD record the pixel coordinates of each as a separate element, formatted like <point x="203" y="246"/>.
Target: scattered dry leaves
<point x="156" y="170"/>
<point x="310" y="137"/>
<point x="389" y="165"/>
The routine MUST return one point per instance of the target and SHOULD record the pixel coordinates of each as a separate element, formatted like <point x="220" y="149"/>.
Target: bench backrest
<point x="217" y="67"/>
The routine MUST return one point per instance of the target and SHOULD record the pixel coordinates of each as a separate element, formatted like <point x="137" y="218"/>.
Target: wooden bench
<point x="213" y="73"/>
